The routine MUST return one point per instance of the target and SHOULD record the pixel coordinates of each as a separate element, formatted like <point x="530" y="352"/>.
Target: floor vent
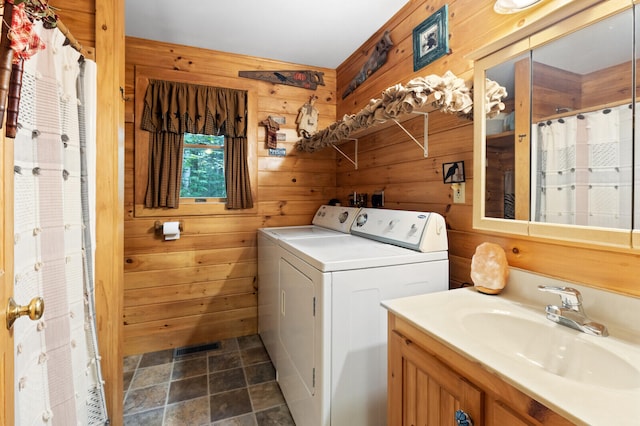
<point x="188" y="350"/>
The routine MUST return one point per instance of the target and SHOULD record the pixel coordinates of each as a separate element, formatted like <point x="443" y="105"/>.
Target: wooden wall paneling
<point x="244" y="286"/>
<point x="203" y="286"/>
<point x="193" y="242"/>
<point x="191" y="274"/>
<point x="7" y="364"/>
<point x="109" y="36"/>
<point x="471" y="25"/>
<point x="184" y="331"/>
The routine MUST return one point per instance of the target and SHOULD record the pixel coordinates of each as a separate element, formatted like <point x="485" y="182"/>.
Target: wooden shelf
<point x="501" y="141"/>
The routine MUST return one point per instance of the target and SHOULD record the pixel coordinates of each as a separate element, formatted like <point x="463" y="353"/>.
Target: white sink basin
<point x="554" y="348"/>
<point x="588" y="379"/>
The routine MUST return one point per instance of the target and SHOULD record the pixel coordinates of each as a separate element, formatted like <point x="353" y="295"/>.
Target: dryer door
<point x="297" y="332"/>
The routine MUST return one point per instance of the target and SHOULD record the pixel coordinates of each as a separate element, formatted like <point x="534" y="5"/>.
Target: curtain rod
<point x="73" y="42"/>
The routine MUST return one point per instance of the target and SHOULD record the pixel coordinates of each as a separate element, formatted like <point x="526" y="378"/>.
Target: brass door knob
<point x="34" y="309"/>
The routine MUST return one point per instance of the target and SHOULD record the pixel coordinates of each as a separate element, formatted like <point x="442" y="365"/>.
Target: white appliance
<point x="327" y="221"/>
<point x="332" y="331"/>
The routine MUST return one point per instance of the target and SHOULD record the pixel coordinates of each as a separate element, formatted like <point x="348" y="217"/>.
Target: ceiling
<point x="321" y="33"/>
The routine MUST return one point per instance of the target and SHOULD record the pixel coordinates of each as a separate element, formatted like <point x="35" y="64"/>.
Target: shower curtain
<point x="57" y="367"/>
<point x="582" y="169"/>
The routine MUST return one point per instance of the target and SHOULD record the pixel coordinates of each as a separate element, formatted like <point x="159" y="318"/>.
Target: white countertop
<point x="596" y="380"/>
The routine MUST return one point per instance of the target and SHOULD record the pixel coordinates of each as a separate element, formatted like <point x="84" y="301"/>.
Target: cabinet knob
<point x="463" y="419"/>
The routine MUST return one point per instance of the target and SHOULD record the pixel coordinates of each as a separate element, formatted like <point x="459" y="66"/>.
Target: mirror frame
<point x="499" y="52"/>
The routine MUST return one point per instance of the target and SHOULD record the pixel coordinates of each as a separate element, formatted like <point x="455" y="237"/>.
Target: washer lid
<point x="349" y="252"/>
<point x="303" y="231"/>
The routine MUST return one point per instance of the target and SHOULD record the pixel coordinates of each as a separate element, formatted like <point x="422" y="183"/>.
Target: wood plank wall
<point x="203" y="287"/>
<point x="389" y="161"/>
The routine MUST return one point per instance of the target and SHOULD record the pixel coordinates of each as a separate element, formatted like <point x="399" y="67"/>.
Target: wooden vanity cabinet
<point x="429" y="381"/>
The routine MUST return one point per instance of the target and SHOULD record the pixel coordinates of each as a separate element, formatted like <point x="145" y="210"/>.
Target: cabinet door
<point x="498" y="414"/>
<point x="425" y="392"/>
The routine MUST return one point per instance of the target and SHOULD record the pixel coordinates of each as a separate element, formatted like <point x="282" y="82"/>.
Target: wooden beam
<point x="110" y="199"/>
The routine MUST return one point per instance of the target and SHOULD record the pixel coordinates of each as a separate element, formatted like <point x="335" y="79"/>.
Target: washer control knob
<point x="343" y="217"/>
<point x="361" y="219"/>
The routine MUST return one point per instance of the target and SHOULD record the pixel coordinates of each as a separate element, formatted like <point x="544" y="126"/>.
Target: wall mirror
<point x="559" y="161"/>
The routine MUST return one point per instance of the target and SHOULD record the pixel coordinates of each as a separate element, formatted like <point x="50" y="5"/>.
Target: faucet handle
<point x="571" y="298"/>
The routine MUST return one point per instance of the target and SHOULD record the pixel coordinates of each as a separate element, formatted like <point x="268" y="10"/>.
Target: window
<point x="191" y="203"/>
<point x="203" y="167"/>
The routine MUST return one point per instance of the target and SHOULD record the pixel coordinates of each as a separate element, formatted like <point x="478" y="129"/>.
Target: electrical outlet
<point x="458" y="193"/>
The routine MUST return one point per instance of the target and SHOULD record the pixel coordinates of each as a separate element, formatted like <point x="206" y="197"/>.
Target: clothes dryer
<point x="332" y="330"/>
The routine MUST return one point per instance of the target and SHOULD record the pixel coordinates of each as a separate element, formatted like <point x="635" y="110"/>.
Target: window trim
<point x="188" y="206"/>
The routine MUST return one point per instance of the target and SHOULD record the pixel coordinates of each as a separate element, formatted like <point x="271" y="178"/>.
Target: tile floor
<point x="230" y="386"/>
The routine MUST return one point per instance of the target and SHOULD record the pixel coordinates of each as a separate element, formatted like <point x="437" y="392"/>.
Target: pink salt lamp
<point x="489" y="268"/>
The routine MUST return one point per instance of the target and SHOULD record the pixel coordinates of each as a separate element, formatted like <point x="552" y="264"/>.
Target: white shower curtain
<point x="583" y="171"/>
<point x="57" y="367"/>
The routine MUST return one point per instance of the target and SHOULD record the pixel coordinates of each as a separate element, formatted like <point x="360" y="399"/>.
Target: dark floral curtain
<point x="173" y="108"/>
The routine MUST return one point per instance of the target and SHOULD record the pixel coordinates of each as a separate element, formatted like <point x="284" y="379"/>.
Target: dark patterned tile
<point x="230" y="404"/>
<point x="138" y="400"/>
<point x="224" y="361"/>
<point x="227" y="345"/>
<point x="254" y="355"/>
<point x="194" y="387"/>
<point x="148" y="418"/>
<point x="252" y="341"/>
<point x="126" y="379"/>
<point x="226" y="380"/>
<point x="276" y="416"/>
<point x="191" y="412"/>
<point x="155" y="358"/>
<point x="151" y="376"/>
<point x="260" y="373"/>
<point x="244" y="420"/>
<point x="265" y="395"/>
<point x="130" y="363"/>
<point x="189" y="368"/>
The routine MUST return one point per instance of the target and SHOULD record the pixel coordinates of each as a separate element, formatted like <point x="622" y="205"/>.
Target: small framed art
<point x="453" y="172"/>
<point x="431" y="38"/>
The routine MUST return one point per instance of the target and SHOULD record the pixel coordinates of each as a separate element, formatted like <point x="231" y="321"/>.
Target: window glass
<point x="203" y="167"/>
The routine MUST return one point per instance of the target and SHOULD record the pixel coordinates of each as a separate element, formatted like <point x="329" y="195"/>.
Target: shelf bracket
<point x="425" y="145"/>
<point x="355" y="160"/>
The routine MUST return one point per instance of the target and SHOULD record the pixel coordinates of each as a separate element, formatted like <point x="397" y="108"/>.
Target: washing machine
<point x="328" y="221"/>
<point x="332" y="330"/>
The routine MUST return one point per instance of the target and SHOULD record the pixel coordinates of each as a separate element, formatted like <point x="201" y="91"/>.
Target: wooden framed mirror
<point x="559" y="161"/>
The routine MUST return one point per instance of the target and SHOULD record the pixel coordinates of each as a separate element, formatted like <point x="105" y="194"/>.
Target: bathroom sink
<point x="554" y="348"/>
<point x="591" y="380"/>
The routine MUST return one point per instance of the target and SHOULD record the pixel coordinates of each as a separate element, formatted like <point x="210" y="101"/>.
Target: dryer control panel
<point x="420" y="231"/>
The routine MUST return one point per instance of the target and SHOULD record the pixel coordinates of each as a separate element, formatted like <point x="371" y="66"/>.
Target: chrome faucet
<point x="571" y="314"/>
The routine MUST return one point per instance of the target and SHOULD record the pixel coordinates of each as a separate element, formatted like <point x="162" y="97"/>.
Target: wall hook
<point x="126" y="99"/>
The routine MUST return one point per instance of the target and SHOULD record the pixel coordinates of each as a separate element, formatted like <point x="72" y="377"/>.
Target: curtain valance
<point x="176" y="107"/>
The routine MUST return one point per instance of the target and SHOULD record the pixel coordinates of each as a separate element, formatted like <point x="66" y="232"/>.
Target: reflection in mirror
<point x="581" y="136"/>
<point x="507" y="186"/>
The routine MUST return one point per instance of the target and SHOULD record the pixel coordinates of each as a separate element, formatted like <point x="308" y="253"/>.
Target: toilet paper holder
<point x="157" y="226"/>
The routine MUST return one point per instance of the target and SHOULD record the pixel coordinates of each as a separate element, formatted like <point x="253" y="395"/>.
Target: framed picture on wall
<point x="453" y="172"/>
<point x="431" y="38"/>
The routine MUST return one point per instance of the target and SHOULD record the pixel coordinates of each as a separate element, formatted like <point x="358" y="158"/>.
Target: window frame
<point x="189" y="206"/>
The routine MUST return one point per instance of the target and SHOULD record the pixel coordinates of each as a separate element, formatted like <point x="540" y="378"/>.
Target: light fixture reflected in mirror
<point x="505" y="7"/>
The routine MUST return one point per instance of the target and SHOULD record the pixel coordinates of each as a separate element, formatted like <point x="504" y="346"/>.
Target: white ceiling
<point x="320" y="33"/>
